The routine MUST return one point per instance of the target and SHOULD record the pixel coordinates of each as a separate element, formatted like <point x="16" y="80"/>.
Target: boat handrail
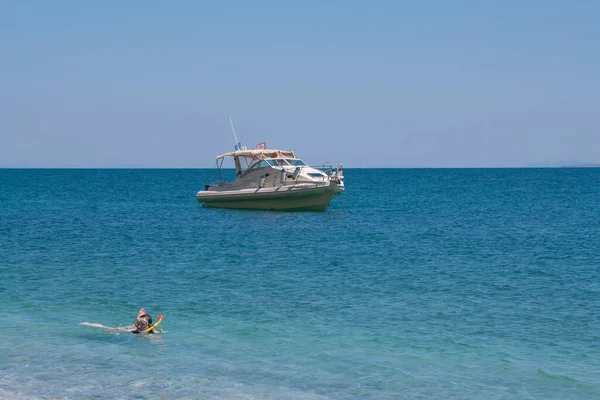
<point x="326" y="167"/>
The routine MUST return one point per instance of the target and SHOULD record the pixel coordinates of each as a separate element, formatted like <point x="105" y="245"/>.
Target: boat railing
<point x="330" y="171"/>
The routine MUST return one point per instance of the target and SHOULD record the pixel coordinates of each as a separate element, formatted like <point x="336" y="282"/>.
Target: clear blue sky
<point x="367" y="83"/>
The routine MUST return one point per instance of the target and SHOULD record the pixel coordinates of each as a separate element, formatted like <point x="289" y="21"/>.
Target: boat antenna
<point x="238" y="145"/>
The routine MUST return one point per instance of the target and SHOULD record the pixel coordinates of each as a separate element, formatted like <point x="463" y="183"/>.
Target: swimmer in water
<point x="142" y="322"/>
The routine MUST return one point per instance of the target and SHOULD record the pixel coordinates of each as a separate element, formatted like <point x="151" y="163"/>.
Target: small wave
<point x="546" y="374"/>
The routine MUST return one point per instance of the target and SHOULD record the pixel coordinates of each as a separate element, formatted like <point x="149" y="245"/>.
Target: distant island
<point x="565" y="164"/>
<point x="590" y="165"/>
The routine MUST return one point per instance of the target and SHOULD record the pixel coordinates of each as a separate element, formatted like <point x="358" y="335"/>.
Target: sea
<point x="414" y="284"/>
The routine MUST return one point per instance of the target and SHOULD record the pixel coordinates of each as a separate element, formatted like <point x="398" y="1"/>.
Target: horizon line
<point x="587" y="165"/>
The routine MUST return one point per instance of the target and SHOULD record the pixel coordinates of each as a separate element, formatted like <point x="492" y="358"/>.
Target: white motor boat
<point x="271" y="179"/>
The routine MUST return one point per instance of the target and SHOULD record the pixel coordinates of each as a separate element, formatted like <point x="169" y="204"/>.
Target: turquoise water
<point x="415" y="284"/>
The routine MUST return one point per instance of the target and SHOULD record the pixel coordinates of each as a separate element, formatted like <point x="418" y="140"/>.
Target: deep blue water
<point x="415" y="284"/>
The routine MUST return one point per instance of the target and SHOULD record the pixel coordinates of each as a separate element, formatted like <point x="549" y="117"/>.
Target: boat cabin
<point x="249" y="160"/>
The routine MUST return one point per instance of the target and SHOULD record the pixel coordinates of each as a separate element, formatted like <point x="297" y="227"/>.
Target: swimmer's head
<point x="143" y="320"/>
<point x="141" y="324"/>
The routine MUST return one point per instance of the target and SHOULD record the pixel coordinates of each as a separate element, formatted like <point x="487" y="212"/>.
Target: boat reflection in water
<point x="270" y="179"/>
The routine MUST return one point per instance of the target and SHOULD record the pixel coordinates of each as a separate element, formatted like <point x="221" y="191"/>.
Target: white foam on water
<point x="128" y="328"/>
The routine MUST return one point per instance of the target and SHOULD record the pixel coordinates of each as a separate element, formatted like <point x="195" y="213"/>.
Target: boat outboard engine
<point x="282" y="178"/>
<point x="296" y="172"/>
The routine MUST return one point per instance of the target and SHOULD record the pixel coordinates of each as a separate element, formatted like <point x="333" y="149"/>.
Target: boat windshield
<point x="278" y="162"/>
<point x="255" y="164"/>
<point x="295" y="162"/>
<point x="244" y="164"/>
<point x="262" y="164"/>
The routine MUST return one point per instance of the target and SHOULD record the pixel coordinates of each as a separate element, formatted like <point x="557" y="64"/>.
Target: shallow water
<point x="414" y="284"/>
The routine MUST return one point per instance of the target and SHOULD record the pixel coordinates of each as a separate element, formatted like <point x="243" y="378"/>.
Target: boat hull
<point x="293" y="197"/>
